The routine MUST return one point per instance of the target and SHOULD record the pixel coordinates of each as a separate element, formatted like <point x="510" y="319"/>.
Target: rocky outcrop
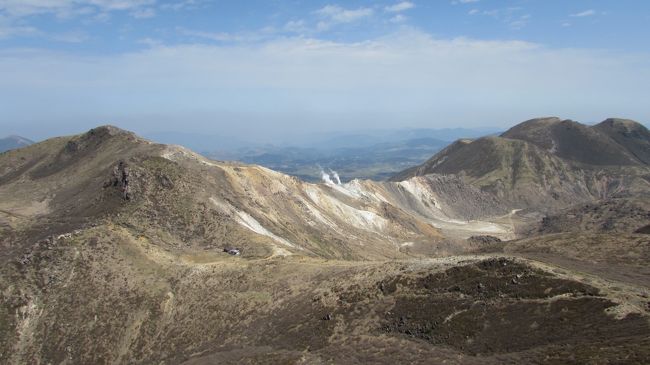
<point x="484" y="240"/>
<point x="643" y="230"/>
<point x="120" y="178"/>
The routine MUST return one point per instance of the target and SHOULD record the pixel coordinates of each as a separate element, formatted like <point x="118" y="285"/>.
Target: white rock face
<point x="246" y="220"/>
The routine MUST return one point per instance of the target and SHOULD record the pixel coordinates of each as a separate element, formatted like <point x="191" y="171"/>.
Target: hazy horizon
<point x="270" y="71"/>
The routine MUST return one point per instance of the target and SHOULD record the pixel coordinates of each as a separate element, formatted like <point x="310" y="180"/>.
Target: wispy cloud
<point x="14" y="15"/>
<point x="143" y="13"/>
<point x="401" y="6"/>
<point x="511" y="16"/>
<point x="398" y="18"/>
<point x="341" y="15"/>
<point x="151" y="42"/>
<point x="182" y="5"/>
<point x="455" y="2"/>
<point x="589" y="12"/>
<point x="296" y="26"/>
<point x="8" y="31"/>
<point x="334" y="14"/>
<point x="241" y="37"/>
<point x="68" y="8"/>
<point x="408" y="73"/>
<point x="520" y="21"/>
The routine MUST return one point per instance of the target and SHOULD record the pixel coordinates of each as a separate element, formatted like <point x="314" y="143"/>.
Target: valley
<point x="508" y="249"/>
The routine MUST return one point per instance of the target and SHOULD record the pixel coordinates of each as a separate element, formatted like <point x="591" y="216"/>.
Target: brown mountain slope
<point x="524" y="175"/>
<point x="629" y="134"/>
<point x="542" y="164"/>
<point x="92" y="273"/>
<point x="572" y="141"/>
<point x="185" y="200"/>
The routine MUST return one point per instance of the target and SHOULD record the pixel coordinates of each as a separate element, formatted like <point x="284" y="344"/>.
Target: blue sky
<point x="269" y="69"/>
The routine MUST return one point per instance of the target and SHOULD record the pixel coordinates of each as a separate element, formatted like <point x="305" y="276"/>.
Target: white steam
<point x="327" y="177"/>
<point x="336" y="176"/>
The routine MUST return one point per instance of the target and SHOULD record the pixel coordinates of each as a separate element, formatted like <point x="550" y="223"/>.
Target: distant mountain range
<point x="375" y="155"/>
<point x="207" y="142"/>
<point x="376" y="162"/>
<point x="13" y="142"/>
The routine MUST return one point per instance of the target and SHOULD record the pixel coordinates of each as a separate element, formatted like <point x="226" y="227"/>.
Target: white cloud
<point x="511" y="16"/>
<point x="493" y="12"/>
<point x="151" y="42"/>
<point x="241" y="37"/>
<point x="143" y="13"/>
<point x="214" y="36"/>
<point x="8" y="31"/>
<point x="296" y="26"/>
<point x="589" y="12"/>
<point x="408" y="76"/>
<point x="337" y="14"/>
<point x="455" y="2"/>
<point x="519" y="22"/>
<point x="398" y="18"/>
<point x="401" y="6"/>
<point x="182" y="5"/>
<point x="14" y="13"/>
<point x="65" y="8"/>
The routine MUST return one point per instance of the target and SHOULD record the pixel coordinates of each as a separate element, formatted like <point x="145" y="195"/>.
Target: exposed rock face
<point x="464" y="201"/>
<point x="120" y="179"/>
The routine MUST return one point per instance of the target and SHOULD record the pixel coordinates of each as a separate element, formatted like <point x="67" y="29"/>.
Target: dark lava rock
<point x="478" y="310"/>
<point x="643" y="230"/>
<point x="484" y="240"/>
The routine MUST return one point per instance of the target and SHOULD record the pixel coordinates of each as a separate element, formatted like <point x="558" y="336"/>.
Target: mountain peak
<point x="13" y="142"/>
<point x="542" y="120"/>
<point x="98" y="136"/>
<point x="633" y="136"/>
<point x="107" y="130"/>
<point x="621" y="124"/>
<point x="575" y="141"/>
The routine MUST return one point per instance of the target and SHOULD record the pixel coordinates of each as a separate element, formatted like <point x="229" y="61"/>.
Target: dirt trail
<point x="13" y="214"/>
